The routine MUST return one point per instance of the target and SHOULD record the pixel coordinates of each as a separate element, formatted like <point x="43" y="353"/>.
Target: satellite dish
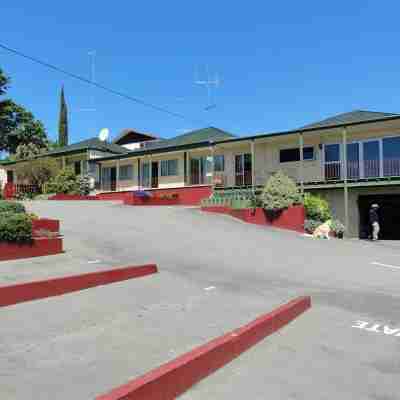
<point x="104" y="134"/>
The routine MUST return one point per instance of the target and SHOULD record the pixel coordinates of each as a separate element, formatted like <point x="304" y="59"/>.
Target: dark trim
<point x="305" y="130"/>
<point x="159" y="150"/>
<point x="245" y="138"/>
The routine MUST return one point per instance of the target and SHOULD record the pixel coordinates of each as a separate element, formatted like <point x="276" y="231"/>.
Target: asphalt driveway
<point x="215" y="274"/>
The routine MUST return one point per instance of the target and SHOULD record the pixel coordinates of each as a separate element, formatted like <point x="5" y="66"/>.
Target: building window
<point x="219" y="163"/>
<point x="169" y="167"/>
<point x="289" y="155"/>
<point x="125" y="172"/>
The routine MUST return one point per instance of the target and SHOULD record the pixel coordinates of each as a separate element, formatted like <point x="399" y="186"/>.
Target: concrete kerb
<point x="176" y="377"/>
<point x="19" y="293"/>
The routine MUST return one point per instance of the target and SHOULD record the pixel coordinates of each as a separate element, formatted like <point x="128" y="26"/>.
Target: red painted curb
<point x="14" y="294"/>
<point x="51" y="225"/>
<point x="177" y="376"/>
<point x="39" y="247"/>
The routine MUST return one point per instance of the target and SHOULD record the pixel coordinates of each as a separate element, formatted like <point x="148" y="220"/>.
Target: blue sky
<point x="282" y="64"/>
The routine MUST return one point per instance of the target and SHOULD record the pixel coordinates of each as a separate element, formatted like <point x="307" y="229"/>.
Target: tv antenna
<point x="209" y="83"/>
<point x="92" y="55"/>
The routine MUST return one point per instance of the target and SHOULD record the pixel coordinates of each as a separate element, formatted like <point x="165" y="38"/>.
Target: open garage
<point x="389" y="215"/>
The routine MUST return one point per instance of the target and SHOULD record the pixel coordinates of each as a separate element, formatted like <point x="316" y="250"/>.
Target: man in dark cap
<point x="374" y="221"/>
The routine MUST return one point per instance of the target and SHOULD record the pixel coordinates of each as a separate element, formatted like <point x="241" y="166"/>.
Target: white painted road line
<point x="385" y="265"/>
<point x="384" y="329"/>
<point x="209" y="288"/>
<point x="94" y="262"/>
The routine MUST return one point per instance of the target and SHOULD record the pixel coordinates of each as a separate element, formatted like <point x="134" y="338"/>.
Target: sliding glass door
<point x="145" y="175"/>
<point x="243" y="173"/>
<point x="332" y="162"/>
<point x="374" y="158"/>
<point x="353" y="161"/>
<point x="371" y="159"/>
<point x="391" y="156"/>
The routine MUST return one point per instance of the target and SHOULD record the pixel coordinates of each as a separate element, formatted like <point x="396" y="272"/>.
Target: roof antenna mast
<point x="209" y="83"/>
<point x="92" y="108"/>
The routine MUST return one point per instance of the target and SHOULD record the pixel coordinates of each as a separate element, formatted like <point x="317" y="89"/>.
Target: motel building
<point x="351" y="159"/>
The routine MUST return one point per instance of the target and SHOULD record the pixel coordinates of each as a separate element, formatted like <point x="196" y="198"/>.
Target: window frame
<point x="166" y="169"/>
<point x="313" y="158"/>
<point x="127" y="176"/>
<point x="220" y="156"/>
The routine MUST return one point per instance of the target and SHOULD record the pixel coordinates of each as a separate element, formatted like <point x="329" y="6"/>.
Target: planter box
<point x="187" y="195"/>
<point x="292" y="218"/>
<point x="38" y="247"/>
<point x="51" y="225"/>
<point x="150" y="201"/>
<point x="64" y="197"/>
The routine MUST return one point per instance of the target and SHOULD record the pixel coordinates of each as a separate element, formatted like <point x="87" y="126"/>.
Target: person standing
<point x="374" y="221"/>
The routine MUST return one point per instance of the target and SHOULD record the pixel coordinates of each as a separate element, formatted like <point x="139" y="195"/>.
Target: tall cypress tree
<point x="63" y="121"/>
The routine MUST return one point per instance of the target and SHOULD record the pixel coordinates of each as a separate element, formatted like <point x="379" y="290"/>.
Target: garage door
<point x="389" y="215"/>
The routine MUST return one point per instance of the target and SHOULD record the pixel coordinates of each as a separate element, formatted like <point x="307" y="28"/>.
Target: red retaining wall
<point x="188" y="196"/>
<point x="38" y="247"/>
<point x="23" y="292"/>
<point x="114" y="195"/>
<point x="174" y="378"/>
<point x="51" y="225"/>
<point x="292" y="218"/>
<point x="64" y="197"/>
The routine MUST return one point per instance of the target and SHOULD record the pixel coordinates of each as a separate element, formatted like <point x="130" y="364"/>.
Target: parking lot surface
<point x="216" y="273"/>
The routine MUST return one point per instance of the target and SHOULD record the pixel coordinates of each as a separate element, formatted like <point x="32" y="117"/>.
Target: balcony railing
<point x="362" y="169"/>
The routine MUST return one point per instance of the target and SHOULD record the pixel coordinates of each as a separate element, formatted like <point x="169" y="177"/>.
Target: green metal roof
<point x="194" y="139"/>
<point x="349" y="117"/>
<point x="210" y="134"/>
<point x="89" y="144"/>
<point x="77" y="148"/>
<point x="362" y="120"/>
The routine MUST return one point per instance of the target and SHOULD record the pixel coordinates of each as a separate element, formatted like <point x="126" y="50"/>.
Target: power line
<point x="98" y="85"/>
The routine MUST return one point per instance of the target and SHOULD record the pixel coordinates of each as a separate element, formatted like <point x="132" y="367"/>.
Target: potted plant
<point x="338" y="228"/>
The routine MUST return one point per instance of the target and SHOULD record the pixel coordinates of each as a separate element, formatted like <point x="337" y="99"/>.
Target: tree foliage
<point x="37" y="172"/>
<point x="17" y="125"/>
<point x="26" y="151"/>
<point x="63" y="121"/>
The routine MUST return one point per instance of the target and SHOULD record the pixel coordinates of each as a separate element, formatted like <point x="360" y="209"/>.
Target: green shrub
<point x="64" y="182"/>
<point x="15" y="227"/>
<point x="37" y="172"/>
<point x="11" y="207"/>
<point x="280" y="192"/>
<point x="317" y="208"/>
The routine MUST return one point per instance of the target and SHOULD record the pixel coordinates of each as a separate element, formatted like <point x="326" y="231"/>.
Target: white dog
<point x="323" y="231"/>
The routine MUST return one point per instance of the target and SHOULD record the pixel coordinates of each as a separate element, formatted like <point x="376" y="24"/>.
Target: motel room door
<point x="154" y="174"/>
<point x="243" y="173"/>
<point x="197" y="171"/>
<point x="10" y="176"/>
<point x="113" y="179"/>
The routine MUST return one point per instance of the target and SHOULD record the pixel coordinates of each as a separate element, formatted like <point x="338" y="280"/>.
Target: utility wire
<point x="98" y="85"/>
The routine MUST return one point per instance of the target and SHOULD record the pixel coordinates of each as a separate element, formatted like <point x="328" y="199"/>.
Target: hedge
<point x="15" y="227"/>
<point x="11" y="207"/>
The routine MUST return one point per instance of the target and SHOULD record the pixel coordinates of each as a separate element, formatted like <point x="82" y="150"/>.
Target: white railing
<point x="391" y="167"/>
<point x="362" y="169"/>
